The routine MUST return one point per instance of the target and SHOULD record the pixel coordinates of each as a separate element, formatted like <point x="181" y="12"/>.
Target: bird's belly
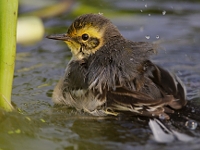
<point x="79" y="93"/>
<point x="85" y="100"/>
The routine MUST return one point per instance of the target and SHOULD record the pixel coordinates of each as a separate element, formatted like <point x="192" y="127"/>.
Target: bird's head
<point x="87" y="34"/>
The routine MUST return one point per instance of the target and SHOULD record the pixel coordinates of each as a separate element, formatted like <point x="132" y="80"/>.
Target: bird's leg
<point x="101" y="112"/>
<point x="110" y="111"/>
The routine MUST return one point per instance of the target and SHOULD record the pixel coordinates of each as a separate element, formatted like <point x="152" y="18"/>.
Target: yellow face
<point x="85" y="41"/>
<point x="87" y="34"/>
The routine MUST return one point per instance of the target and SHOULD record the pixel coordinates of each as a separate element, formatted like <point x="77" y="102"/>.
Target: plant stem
<point x="8" y="23"/>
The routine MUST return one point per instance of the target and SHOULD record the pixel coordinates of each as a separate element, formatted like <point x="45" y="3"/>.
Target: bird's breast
<point x="79" y="92"/>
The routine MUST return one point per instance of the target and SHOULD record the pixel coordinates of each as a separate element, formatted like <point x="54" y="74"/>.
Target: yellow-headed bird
<point x="109" y="74"/>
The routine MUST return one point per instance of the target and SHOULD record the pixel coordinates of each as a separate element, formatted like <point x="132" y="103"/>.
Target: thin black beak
<point x="62" y="37"/>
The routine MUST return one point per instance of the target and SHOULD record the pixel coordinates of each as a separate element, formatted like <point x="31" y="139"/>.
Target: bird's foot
<point x="110" y="111"/>
<point x="96" y="112"/>
<point x="101" y="112"/>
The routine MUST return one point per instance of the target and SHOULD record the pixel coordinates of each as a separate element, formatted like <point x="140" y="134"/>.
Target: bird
<point x="111" y="75"/>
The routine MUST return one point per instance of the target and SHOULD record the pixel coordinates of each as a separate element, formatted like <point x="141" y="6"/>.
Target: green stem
<point x="8" y="23"/>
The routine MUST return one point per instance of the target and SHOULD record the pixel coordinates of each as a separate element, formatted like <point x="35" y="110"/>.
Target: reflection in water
<point x="101" y="133"/>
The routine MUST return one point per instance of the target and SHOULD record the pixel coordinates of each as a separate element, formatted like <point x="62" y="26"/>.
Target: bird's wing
<point x="160" y="89"/>
<point x="138" y="103"/>
<point x="116" y="63"/>
<point x="167" y="82"/>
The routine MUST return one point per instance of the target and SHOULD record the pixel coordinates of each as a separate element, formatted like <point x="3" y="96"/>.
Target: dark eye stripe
<point x="94" y="42"/>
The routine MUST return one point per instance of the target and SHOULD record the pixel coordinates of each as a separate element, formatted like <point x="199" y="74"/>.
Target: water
<point x="191" y="124"/>
<point x="164" y="12"/>
<point x="147" y="37"/>
<point x="40" y="125"/>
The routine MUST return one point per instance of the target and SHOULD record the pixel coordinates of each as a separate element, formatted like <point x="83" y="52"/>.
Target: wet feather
<point x="108" y="71"/>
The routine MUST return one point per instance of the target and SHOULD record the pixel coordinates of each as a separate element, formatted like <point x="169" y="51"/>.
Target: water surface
<point x="40" y="125"/>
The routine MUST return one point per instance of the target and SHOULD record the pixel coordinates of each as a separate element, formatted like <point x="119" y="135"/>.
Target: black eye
<point x="85" y="37"/>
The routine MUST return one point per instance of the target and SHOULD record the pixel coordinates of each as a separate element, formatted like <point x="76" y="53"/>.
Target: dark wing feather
<point x="138" y="103"/>
<point x="160" y="89"/>
<point x="168" y="83"/>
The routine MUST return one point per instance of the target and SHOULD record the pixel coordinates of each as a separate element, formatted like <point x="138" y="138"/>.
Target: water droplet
<point x="145" y="5"/>
<point x="147" y="37"/>
<point x="164" y="12"/>
<point x="144" y="68"/>
<point x="141" y="10"/>
<point x="191" y="124"/>
<point x="157" y="37"/>
<point x="193" y="110"/>
<point x="149" y="14"/>
<point x="162" y="116"/>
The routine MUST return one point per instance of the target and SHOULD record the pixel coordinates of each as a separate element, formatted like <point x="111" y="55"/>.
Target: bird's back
<point x="132" y="82"/>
